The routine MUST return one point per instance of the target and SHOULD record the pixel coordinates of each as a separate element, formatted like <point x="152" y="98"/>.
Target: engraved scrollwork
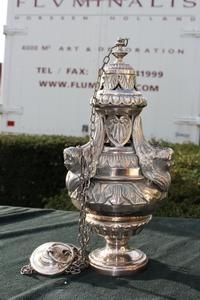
<point x="125" y="81"/>
<point x="118" y="129"/>
<point x="120" y="228"/>
<point x="110" y="81"/>
<point x="126" y="193"/>
<point x="118" y="160"/>
<point x="116" y="99"/>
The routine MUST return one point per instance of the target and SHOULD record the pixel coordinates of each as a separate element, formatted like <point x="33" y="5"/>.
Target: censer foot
<point x="117" y="263"/>
<point x="117" y="258"/>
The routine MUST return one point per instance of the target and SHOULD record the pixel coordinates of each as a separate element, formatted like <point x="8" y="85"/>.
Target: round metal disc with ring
<point x="52" y="258"/>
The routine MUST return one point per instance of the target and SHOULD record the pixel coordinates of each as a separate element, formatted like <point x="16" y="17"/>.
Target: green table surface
<point x="173" y="272"/>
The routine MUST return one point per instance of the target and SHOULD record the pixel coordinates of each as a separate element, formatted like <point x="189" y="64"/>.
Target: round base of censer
<point x="117" y="258"/>
<point x="121" y="263"/>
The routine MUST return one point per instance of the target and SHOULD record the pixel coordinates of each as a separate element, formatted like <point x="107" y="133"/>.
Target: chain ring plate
<point x="42" y="263"/>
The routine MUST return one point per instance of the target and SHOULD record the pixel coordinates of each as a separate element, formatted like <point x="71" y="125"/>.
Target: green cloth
<point x="173" y="272"/>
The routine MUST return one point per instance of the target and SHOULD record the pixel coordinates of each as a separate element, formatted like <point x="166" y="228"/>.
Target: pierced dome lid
<point x="119" y="73"/>
<point x="118" y="82"/>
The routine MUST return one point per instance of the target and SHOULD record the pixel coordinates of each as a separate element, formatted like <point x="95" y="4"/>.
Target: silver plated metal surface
<point x="129" y="176"/>
<point x="51" y="258"/>
<point x="117" y="180"/>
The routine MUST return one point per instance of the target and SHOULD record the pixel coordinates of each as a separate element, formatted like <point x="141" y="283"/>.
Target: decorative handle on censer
<point x="117" y="179"/>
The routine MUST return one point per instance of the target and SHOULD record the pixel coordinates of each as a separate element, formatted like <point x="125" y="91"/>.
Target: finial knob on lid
<point x="119" y="51"/>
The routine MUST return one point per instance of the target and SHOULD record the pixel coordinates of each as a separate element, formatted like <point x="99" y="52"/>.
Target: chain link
<point x="27" y="270"/>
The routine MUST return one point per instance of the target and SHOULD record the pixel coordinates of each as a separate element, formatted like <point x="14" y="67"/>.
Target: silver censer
<point x="129" y="177"/>
<point x="117" y="179"/>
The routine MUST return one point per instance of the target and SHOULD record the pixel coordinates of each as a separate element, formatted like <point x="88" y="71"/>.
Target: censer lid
<point x="118" y="83"/>
<point x="119" y="66"/>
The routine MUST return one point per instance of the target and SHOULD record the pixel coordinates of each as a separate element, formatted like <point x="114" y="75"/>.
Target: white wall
<point x="48" y="42"/>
